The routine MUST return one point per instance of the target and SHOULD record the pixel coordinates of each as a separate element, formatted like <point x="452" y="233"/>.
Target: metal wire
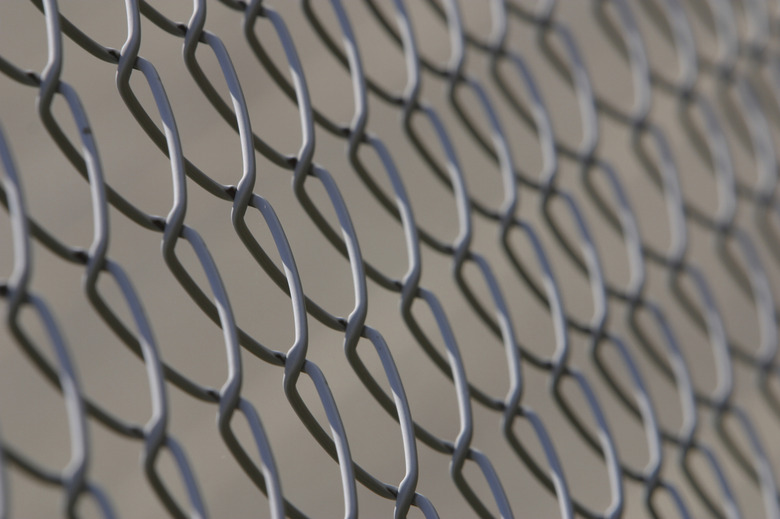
<point x="508" y="75"/>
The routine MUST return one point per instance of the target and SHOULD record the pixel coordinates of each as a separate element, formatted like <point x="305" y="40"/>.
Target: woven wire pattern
<point x="746" y="72"/>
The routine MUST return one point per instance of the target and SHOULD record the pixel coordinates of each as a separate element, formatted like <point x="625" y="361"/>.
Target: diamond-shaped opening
<point x="174" y="482"/>
<point x="582" y="412"/>
<point x="658" y="357"/>
<point x="613" y="225"/>
<point x="528" y="260"/>
<point x="581" y="277"/>
<point x="628" y="406"/>
<point x="706" y="478"/>
<point x="436" y="188"/>
<point x="487" y="156"/>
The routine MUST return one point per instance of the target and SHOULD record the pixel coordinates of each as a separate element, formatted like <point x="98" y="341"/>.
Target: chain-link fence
<point x="563" y="215"/>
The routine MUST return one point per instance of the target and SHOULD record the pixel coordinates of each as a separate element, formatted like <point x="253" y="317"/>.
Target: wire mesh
<point x="654" y="338"/>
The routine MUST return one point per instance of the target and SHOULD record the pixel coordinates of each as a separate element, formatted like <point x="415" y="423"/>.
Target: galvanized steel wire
<point x="650" y="144"/>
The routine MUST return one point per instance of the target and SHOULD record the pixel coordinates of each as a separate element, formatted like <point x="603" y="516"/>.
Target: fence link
<point x="654" y="338"/>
